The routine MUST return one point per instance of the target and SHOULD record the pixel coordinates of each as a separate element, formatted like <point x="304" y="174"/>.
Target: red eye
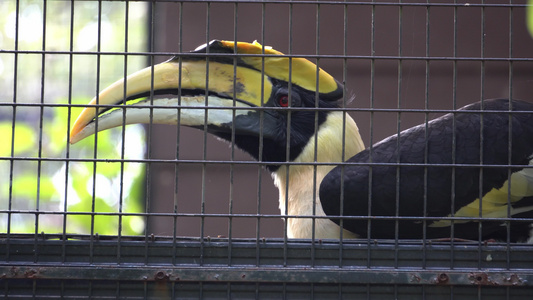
<point x="284" y="101"/>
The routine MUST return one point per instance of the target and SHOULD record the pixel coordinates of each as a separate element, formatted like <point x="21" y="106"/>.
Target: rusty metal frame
<point x="47" y="257"/>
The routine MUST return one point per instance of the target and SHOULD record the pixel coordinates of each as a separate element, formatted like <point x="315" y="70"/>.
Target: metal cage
<point x="159" y="211"/>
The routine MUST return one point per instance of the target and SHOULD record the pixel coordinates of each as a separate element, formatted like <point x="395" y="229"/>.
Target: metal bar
<point x="315" y="135"/>
<point x="261" y="139"/>
<point x="304" y="2"/>
<point x="482" y="142"/>
<point x="510" y="141"/>
<point x="149" y="129"/>
<point x="343" y="150"/>
<point x="454" y="131"/>
<point x="245" y="162"/>
<point x="40" y="126"/>
<point x="178" y="138"/>
<point x="307" y="56"/>
<point x="372" y="124"/>
<point x="69" y="116"/>
<point x="285" y="211"/>
<point x="426" y="120"/>
<point x="13" y="124"/>
<point x="271" y="275"/>
<point x="232" y="151"/>
<point x="95" y="148"/>
<point x="123" y="130"/>
<point x="347" y="109"/>
<point x="101" y="264"/>
<point x="77" y="248"/>
<point x="226" y="215"/>
<point x="204" y="148"/>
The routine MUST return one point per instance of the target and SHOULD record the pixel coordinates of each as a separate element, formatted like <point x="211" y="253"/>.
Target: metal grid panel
<point x="404" y="62"/>
<point x="162" y="266"/>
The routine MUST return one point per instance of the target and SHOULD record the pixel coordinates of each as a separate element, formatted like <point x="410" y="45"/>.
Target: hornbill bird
<point x="462" y="175"/>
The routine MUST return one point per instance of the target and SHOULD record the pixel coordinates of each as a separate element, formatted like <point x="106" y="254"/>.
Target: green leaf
<point x="25" y="138"/>
<point x="26" y="186"/>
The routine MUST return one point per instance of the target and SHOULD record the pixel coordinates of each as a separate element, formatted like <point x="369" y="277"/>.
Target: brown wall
<point x="375" y="77"/>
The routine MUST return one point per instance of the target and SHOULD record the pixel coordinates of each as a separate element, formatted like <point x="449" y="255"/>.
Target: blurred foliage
<point x="42" y="71"/>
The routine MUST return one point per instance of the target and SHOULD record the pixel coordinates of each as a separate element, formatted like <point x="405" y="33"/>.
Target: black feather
<point x="412" y="176"/>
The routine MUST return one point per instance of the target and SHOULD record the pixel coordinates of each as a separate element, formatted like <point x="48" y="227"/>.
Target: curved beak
<point x="178" y="90"/>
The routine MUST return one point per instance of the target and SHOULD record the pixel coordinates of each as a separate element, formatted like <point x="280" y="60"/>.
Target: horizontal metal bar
<point x="152" y="258"/>
<point x="257" y="163"/>
<point x="270" y="275"/>
<point x="307" y="56"/>
<point x="263" y="216"/>
<point x="328" y="2"/>
<point x="268" y="108"/>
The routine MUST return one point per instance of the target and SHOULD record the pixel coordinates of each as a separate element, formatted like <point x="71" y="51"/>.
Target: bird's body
<point x="418" y="184"/>
<point x="437" y="170"/>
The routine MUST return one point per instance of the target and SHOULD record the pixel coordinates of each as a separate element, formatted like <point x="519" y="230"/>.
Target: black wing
<point x="426" y="183"/>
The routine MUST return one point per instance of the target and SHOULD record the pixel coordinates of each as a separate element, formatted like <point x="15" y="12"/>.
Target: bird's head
<point x="244" y="92"/>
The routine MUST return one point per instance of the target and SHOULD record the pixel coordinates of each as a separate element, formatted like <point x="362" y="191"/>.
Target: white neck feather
<point x="299" y="184"/>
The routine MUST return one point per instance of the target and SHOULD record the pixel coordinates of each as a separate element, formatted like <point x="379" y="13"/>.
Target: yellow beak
<point x="225" y="87"/>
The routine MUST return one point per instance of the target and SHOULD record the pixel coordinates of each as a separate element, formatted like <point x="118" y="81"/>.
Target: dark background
<point x="468" y="47"/>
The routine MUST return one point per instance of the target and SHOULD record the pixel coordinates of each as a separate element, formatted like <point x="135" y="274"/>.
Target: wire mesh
<point x="158" y="211"/>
